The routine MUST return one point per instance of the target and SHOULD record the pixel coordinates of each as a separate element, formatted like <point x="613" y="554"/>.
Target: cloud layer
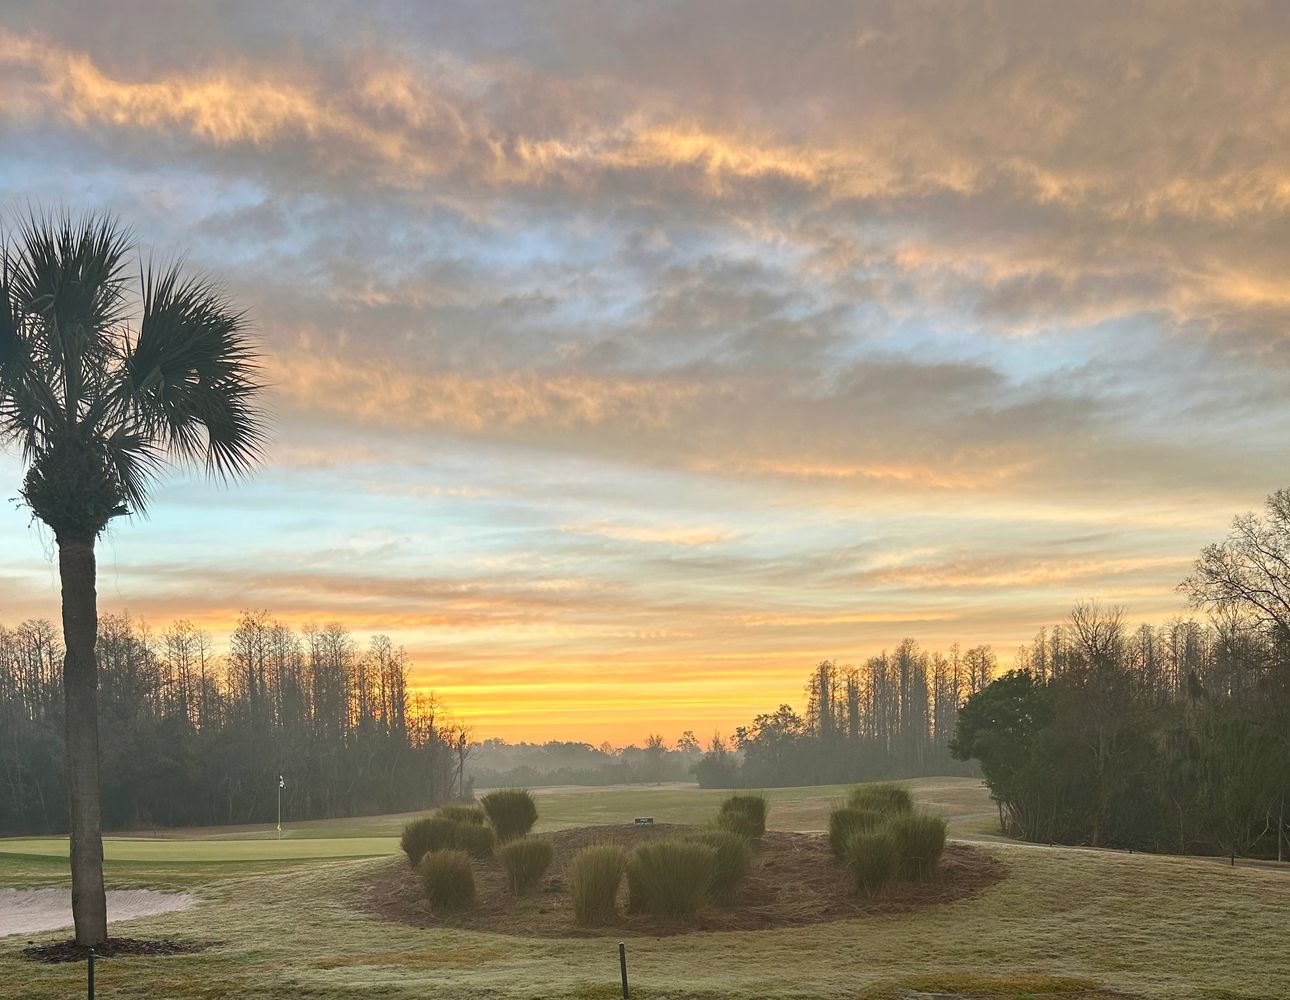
<point x="662" y="350"/>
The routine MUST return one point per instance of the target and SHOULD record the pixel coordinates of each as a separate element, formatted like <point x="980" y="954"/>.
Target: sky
<point x="628" y="359"/>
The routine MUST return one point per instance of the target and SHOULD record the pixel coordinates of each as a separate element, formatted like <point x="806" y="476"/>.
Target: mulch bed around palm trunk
<point x="794" y="880"/>
<point x="70" y="951"/>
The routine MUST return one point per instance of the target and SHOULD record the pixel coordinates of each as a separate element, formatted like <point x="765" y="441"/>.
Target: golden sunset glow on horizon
<point x="626" y="361"/>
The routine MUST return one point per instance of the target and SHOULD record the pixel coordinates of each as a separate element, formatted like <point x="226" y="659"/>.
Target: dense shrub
<point x="873" y="857"/>
<point x="525" y="861"/>
<point x="845" y="821"/>
<point x="920" y="840"/>
<point x="884" y="797"/>
<point x="448" y="880"/>
<point x="430" y="833"/>
<point x="594" y="875"/>
<point x="670" y="878"/>
<point x="477" y="841"/>
<point x="463" y="814"/>
<point x="512" y="812"/>
<point x="754" y="807"/>
<point x="733" y="857"/>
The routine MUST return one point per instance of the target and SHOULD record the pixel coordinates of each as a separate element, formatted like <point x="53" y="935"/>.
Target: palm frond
<point x="31" y="415"/>
<point x="135" y="463"/>
<point x="191" y="375"/>
<point x="71" y="283"/>
<point x="234" y="426"/>
<point x="30" y="407"/>
<point x="14" y="351"/>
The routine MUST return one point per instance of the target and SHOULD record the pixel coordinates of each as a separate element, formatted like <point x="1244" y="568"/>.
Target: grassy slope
<point x="1159" y="927"/>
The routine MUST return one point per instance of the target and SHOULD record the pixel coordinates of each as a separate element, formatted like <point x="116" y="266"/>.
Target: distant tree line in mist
<point x="1172" y="739"/>
<point x="190" y="738"/>
<point x="495" y="763"/>
<point x="892" y="717"/>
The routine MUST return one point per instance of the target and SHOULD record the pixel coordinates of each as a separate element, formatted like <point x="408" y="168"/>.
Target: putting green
<point x="141" y="849"/>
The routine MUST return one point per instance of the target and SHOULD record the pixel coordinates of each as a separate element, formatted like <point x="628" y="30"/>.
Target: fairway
<point x="168" y="854"/>
<point x="1061" y="919"/>
<point x="964" y="801"/>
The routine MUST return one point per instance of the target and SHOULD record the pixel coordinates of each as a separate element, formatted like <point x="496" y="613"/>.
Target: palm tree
<point x="105" y="374"/>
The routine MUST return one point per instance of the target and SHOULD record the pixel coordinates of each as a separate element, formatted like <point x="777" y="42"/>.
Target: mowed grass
<point x="1154" y="927"/>
<point x="198" y="851"/>
<point x="177" y="864"/>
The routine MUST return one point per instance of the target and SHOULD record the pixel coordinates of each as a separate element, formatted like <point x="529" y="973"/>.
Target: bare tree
<point x="1249" y="571"/>
<point x="979" y="664"/>
<point x="458" y="738"/>
<point x="655" y="751"/>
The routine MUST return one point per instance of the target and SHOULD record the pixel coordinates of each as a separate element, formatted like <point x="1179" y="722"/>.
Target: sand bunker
<point x="26" y="911"/>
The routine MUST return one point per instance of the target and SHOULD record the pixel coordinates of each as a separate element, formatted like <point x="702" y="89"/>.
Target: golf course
<point x="286" y="918"/>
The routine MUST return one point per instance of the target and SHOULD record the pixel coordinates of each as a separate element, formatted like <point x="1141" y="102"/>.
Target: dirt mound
<point x="70" y="951"/>
<point x="794" y="880"/>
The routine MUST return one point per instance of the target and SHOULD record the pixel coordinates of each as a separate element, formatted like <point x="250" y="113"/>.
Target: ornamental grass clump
<point x="740" y="824"/>
<point x="438" y="833"/>
<point x="753" y="807"/>
<point x="845" y="821"/>
<point x="463" y="814"/>
<point x="883" y="797"/>
<point x="594" y="875"/>
<point x="512" y="812"/>
<point x="873" y="857"/>
<point x="430" y="833"/>
<point x="670" y="878"/>
<point x="525" y="862"/>
<point x="448" y="880"/>
<point x="477" y="841"/>
<point x="920" y="839"/>
<point x="732" y="859"/>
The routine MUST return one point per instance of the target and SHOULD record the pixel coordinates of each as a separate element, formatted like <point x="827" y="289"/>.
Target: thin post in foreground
<point x="89" y="980"/>
<point x="622" y="965"/>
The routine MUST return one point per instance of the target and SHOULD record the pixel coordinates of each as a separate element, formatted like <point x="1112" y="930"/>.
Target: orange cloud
<point x="653" y="535"/>
<point x="381" y="393"/>
<point x="412" y="126"/>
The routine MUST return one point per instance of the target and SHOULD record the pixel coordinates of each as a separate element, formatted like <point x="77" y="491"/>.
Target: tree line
<point x="189" y="738"/>
<point x="1172" y="738"/>
<point x="496" y="763"/>
<point x="894" y="716"/>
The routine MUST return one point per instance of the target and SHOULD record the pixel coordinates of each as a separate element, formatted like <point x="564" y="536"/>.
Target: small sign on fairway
<point x="644" y="820"/>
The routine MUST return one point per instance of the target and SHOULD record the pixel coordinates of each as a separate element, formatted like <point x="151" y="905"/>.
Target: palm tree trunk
<point x="80" y="693"/>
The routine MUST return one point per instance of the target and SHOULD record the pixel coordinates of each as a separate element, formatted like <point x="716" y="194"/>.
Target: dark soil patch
<point x="70" y="951"/>
<point x="794" y="880"/>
